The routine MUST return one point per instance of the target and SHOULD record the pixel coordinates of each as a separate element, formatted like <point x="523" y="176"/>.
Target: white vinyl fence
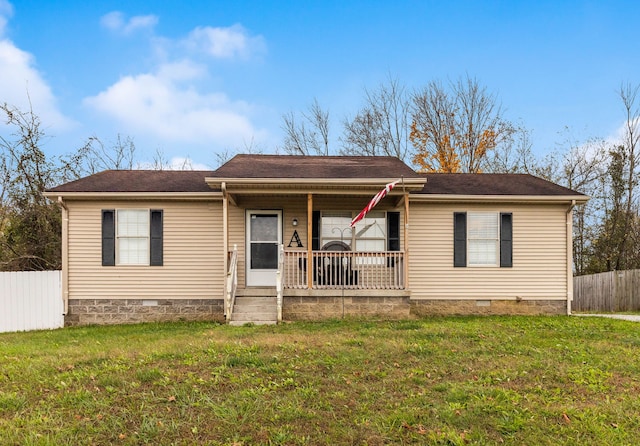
<point x="30" y="300"/>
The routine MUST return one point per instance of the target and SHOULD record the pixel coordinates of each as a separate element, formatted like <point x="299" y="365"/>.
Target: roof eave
<point x="204" y="196"/>
<point x="435" y="198"/>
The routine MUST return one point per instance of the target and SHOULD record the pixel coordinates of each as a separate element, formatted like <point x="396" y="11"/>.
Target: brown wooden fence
<point x="609" y="292"/>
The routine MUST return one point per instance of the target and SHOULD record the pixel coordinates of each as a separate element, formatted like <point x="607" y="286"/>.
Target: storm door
<point x="264" y="235"/>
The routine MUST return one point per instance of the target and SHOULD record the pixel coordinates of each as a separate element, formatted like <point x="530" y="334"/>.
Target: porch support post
<point x="406" y="241"/>
<point x="309" y="241"/>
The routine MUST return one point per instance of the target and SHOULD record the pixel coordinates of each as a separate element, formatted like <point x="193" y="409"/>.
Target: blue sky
<point x="194" y="78"/>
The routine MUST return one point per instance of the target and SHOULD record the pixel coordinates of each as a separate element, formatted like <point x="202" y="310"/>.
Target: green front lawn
<point x="449" y="381"/>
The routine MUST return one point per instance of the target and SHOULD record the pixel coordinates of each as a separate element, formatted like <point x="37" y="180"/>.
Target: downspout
<point x="569" y="220"/>
<point x="225" y="228"/>
<point x="65" y="255"/>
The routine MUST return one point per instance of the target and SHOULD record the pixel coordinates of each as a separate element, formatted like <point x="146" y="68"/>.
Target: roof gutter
<point x="442" y="198"/>
<point x="193" y="196"/>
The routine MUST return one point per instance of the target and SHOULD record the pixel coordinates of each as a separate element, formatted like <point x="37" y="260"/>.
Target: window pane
<point x="483" y="252"/>
<point x="370" y="245"/>
<point x="333" y="223"/>
<point x="372" y="226"/>
<point x="483" y="237"/>
<point x="133" y="223"/>
<point x="264" y="228"/>
<point x="133" y="251"/>
<point x="264" y="256"/>
<point x="482" y="226"/>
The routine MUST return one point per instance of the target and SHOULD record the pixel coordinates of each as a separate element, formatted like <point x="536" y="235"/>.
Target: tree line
<point x="457" y="126"/>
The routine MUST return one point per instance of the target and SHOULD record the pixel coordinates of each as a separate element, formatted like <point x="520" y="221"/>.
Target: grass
<point x="441" y="381"/>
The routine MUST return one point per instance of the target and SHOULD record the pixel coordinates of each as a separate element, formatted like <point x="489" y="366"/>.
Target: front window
<point x="132" y="237"/>
<point x="483" y="238"/>
<point x="369" y="234"/>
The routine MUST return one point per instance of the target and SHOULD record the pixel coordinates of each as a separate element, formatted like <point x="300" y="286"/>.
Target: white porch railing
<point x="349" y="270"/>
<point x="232" y="283"/>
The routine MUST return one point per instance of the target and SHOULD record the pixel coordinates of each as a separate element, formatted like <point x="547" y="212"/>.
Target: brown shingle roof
<point x="492" y="184"/>
<point x="140" y="181"/>
<point x="310" y="167"/>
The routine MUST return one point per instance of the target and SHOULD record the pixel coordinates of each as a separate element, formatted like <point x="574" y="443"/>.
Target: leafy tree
<point x="30" y="224"/>
<point x="30" y="238"/>
<point x="453" y="131"/>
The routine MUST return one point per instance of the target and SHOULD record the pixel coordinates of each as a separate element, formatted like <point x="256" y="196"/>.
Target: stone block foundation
<point x="128" y="311"/>
<point x="330" y="306"/>
<point x="422" y="308"/>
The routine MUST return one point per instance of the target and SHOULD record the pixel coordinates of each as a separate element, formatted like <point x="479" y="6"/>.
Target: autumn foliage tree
<point x="453" y="130"/>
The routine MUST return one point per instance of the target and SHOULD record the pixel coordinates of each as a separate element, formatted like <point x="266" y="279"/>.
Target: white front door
<point x="264" y="235"/>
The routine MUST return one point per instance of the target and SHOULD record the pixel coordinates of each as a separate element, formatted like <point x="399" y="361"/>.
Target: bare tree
<point x="308" y="135"/>
<point x="629" y="97"/>
<point x="381" y="127"/>
<point x="515" y="156"/>
<point x="97" y="156"/>
<point x="248" y="147"/>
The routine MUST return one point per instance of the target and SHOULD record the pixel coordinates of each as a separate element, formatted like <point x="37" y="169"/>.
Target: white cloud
<point x="21" y="85"/>
<point x="115" y="21"/>
<point x="182" y="163"/>
<point x="224" y="43"/>
<point x="6" y="11"/>
<point x="175" y="163"/>
<point x="166" y="103"/>
<point x="159" y="104"/>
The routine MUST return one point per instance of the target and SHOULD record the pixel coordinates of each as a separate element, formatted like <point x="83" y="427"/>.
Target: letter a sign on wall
<point x="295" y="237"/>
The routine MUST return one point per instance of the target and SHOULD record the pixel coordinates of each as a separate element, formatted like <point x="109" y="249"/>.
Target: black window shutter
<point x="393" y="231"/>
<point x="506" y="240"/>
<point x="315" y="231"/>
<point x="459" y="239"/>
<point x="108" y="237"/>
<point x="155" y="231"/>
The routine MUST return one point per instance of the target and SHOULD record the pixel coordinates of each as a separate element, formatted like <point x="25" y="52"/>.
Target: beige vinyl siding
<point x="193" y="254"/>
<point x="539" y="255"/>
<point x="292" y="207"/>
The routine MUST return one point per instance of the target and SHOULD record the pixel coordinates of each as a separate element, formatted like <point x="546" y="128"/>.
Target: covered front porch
<point x="313" y="264"/>
<point x="287" y="228"/>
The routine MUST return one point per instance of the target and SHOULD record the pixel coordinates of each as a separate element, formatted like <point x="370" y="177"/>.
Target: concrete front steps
<point x="255" y="306"/>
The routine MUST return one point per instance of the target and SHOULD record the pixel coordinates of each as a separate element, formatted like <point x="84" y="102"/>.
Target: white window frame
<point x="480" y="239"/>
<point x="140" y="234"/>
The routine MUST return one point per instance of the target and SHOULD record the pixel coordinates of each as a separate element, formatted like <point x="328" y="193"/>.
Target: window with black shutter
<point x="132" y="237"/>
<point x="483" y="239"/>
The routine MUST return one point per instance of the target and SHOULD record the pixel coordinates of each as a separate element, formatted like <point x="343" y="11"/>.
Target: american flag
<point x="374" y="201"/>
